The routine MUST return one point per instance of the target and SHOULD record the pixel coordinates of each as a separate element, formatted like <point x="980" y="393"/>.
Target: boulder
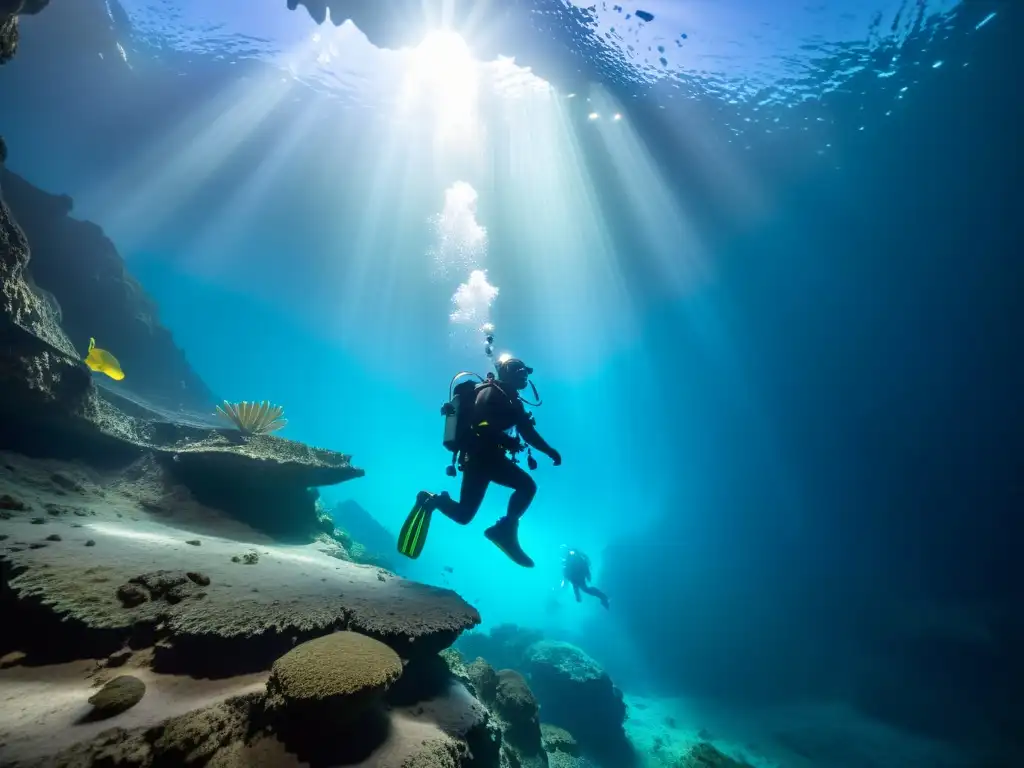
<point x="517" y="709"/>
<point x="484" y="679"/>
<point x="119" y="695"/>
<point x="577" y="694"/>
<point x="332" y="678"/>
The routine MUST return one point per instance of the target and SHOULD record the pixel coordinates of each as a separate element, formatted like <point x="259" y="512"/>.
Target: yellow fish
<point x="104" y="362"/>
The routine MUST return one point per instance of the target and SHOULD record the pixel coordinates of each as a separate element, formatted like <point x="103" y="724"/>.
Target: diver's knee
<point x="465" y="513"/>
<point x="528" y="487"/>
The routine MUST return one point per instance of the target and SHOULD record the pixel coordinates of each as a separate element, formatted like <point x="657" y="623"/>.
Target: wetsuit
<point x="485" y="460"/>
<point x="577" y="573"/>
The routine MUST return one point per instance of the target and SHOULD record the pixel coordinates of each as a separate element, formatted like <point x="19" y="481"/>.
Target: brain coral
<point x="343" y="669"/>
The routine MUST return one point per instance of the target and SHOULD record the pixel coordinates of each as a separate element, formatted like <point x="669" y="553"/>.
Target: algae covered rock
<point x="577" y="694"/>
<point x="516" y="706"/>
<point x="119" y="695"/>
<point x="338" y="675"/>
<point x="441" y="752"/>
<point x="484" y="679"/>
<point x="706" y="756"/>
<point x="557" y="739"/>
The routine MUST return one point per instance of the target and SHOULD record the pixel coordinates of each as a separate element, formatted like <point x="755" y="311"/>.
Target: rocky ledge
<point x="113" y="307"/>
<point x="328" y="702"/>
<point x="52" y="408"/>
<point x="9" y="12"/>
<point x="96" y="560"/>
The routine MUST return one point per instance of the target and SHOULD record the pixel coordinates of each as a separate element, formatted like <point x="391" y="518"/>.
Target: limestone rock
<point x="119" y="695"/>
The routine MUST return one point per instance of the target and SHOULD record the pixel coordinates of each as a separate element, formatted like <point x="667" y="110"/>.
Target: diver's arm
<point x="532" y="437"/>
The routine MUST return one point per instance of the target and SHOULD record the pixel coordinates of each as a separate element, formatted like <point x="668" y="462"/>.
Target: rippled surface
<point x="770" y="50"/>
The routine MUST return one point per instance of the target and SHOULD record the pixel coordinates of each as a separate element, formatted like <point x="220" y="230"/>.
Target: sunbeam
<point x="250" y="195"/>
<point x="670" y="238"/>
<point x="557" y="234"/>
<point x="152" y="190"/>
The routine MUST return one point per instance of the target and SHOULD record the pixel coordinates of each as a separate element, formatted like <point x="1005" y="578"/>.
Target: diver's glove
<point x="556" y="457"/>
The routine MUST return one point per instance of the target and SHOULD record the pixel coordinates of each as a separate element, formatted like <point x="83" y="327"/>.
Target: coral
<point x="253" y="418"/>
<point x="120" y="694"/>
<point x="457" y="668"/>
<point x="324" y="521"/>
<point x="338" y="674"/>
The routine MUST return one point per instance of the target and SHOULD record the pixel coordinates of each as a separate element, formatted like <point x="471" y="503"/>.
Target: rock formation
<point x="80" y="270"/>
<point x="578" y="695"/>
<point x="140" y="539"/>
<point x="377" y="541"/>
<point x="517" y="708"/>
<point x="294" y="720"/>
<point x="120" y="694"/>
<point x="9" y="12"/>
<point x="52" y="408"/>
<point x="504" y="646"/>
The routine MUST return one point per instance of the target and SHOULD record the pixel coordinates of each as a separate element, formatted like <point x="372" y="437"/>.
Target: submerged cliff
<point x="86" y="281"/>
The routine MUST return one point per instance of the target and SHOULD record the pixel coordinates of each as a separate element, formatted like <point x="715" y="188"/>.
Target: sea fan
<point x="253" y="418"/>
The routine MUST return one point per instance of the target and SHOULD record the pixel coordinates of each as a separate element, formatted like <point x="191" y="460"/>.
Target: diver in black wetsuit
<point x="576" y="571"/>
<point x="497" y="409"/>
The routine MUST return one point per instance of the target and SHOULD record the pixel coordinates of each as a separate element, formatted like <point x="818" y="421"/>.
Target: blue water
<point x="763" y="257"/>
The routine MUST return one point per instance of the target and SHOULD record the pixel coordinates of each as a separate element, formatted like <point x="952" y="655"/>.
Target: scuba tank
<point x="458" y="414"/>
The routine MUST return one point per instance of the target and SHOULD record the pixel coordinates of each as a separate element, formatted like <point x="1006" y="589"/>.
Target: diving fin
<point x="413" y="535"/>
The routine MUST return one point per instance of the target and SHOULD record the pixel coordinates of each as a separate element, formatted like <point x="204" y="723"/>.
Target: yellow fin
<point x="103" y="362"/>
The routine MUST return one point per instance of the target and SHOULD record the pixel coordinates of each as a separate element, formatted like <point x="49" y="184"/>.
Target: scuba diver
<point x="479" y="417"/>
<point x="576" y="571"/>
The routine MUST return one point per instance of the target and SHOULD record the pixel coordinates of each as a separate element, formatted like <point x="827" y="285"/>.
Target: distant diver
<point x="576" y="571"/>
<point x="479" y="418"/>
